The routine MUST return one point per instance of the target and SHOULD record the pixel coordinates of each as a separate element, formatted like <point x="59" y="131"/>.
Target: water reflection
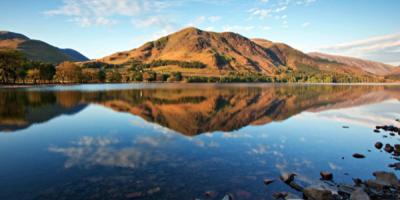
<point x="177" y="142"/>
<point x="191" y="110"/>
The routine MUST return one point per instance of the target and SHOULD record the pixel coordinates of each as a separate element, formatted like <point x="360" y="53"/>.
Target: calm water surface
<point x="166" y="141"/>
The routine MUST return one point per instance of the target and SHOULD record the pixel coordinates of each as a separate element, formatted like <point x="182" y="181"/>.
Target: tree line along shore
<point x="15" y="69"/>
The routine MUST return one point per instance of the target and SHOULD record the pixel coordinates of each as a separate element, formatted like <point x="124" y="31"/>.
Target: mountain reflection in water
<point x="168" y="141"/>
<point x="190" y="110"/>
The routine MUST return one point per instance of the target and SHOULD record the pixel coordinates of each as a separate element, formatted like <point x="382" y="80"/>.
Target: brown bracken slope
<point x="366" y="65"/>
<point x="228" y="52"/>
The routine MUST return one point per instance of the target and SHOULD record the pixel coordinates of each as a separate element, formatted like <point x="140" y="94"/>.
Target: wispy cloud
<point x="385" y="48"/>
<point x="277" y="10"/>
<point x="260" y="13"/>
<point x="306" y="24"/>
<point x="104" y="12"/>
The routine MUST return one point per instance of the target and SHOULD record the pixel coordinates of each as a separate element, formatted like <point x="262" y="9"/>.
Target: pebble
<point x="388" y="148"/>
<point x="280" y="195"/>
<point x="287" y="177"/>
<point x="327" y="176"/>
<point x="359" y="194"/>
<point x="268" y="181"/>
<point x="358" y="155"/>
<point x="318" y="193"/>
<point x="228" y="197"/>
<point x="378" y="145"/>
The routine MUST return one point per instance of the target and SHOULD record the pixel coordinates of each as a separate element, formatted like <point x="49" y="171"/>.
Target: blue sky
<point x="361" y="28"/>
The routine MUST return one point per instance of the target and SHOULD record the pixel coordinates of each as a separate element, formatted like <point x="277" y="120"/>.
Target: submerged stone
<point x="396" y="166"/>
<point x="280" y="195"/>
<point x="318" y="193"/>
<point x="268" y="181"/>
<point x="358" y="155"/>
<point x="287" y="177"/>
<point x="228" y="197"/>
<point x="378" y="145"/>
<point x="326" y="176"/>
<point x="388" y="148"/>
<point x="388" y="178"/>
<point x="359" y="194"/>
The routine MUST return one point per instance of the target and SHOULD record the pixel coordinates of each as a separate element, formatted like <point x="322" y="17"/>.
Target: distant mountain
<point x="226" y="52"/>
<point x="75" y="54"/>
<point x="38" y="50"/>
<point x="366" y="65"/>
<point x="300" y="61"/>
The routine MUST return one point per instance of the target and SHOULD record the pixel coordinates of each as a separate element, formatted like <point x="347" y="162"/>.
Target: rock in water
<point x="287" y="177"/>
<point x="268" y="181"/>
<point x="327" y="176"/>
<point x="396" y="166"/>
<point x="359" y="194"/>
<point x="210" y="194"/>
<point x="318" y="193"/>
<point x="378" y="145"/>
<point x="388" y="148"/>
<point x="387" y="178"/>
<point x="358" y="155"/>
<point x="280" y="195"/>
<point x="228" y="197"/>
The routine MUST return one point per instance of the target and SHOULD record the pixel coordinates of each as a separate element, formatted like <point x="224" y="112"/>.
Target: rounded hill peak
<point x="7" y="35"/>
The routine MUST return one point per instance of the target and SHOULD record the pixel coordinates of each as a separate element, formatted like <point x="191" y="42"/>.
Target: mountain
<point x="37" y="50"/>
<point x="219" y="51"/>
<point x="366" y="65"/>
<point x="75" y="55"/>
<point x="300" y="61"/>
<point x="227" y="52"/>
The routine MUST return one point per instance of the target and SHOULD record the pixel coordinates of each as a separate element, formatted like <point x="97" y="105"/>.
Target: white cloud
<point x="280" y="9"/>
<point x="260" y="13"/>
<point x="384" y="48"/>
<point x="305" y="2"/>
<point x="103" y="12"/>
<point x="306" y="24"/>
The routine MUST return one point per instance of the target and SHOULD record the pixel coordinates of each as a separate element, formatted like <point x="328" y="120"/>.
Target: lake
<point x="188" y="141"/>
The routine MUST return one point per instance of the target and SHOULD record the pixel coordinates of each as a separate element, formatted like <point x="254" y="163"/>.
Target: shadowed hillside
<point x="37" y="50"/>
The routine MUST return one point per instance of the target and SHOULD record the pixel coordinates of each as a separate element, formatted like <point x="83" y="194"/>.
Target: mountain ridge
<point x="367" y="65"/>
<point x="230" y="52"/>
<point x="38" y="50"/>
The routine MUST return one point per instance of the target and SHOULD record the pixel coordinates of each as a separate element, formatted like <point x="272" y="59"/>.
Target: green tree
<point x="47" y="71"/>
<point x="22" y="73"/>
<point x="101" y="76"/>
<point x="9" y="62"/>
